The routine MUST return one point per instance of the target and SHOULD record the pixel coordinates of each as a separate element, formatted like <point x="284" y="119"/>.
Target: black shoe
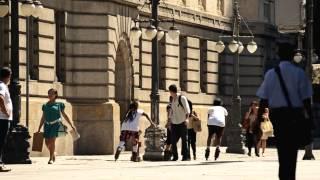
<point x="194" y="157"/>
<point x="249" y="153"/>
<point x="167" y="155"/>
<point x="186" y="159"/>
<point x="4" y="169"/>
<point x="174" y="159"/>
<point x="216" y="154"/>
<point x="116" y="156"/>
<point x="207" y="153"/>
<point x="257" y="154"/>
<point x="135" y="157"/>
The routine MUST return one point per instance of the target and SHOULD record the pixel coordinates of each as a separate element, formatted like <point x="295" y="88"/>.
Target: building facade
<point x="84" y="49"/>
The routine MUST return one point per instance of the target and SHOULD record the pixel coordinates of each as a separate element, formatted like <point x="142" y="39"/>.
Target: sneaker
<point x="207" y="153"/>
<point x="216" y="154"/>
<point x="249" y="153"/>
<point x="4" y="169"/>
<point x="50" y="162"/>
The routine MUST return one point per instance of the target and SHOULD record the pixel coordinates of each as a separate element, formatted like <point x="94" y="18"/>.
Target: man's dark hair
<point x="5" y="72"/>
<point x="217" y="102"/>
<point x="286" y="51"/>
<point x="173" y="88"/>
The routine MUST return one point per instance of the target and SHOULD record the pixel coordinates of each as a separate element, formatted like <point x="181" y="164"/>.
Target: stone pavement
<point x="227" y="167"/>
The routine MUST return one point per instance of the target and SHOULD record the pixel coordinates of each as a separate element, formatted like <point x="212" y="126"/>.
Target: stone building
<point x="84" y="49"/>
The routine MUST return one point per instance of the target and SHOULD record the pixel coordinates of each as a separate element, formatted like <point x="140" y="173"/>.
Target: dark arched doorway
<point x="123" y="77"/>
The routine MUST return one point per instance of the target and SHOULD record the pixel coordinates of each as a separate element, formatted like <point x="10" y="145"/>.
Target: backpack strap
<point x="179" y="100"/>
<point x="283" y="86"/>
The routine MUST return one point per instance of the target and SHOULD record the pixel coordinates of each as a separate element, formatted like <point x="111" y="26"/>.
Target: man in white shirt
<point x="180" y="113"/>
<point x="5" y="112"/>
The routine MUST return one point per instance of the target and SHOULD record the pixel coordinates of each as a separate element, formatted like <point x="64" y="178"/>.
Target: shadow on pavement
<point x="197" y="164"/>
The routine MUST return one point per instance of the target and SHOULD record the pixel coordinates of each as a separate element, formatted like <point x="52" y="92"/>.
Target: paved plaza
<point x="228" y="167"/>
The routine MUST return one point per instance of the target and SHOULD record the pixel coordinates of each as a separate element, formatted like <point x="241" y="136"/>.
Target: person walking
<point x="180" y="113"/>
<point x="287" y="91"/>
<point x="52" y="119"/>
<point x="193" y="128"/>
<point x="5" y="112"/>
<point x="267" y="131"/>
<point x="216" y="123"/>
<point x="252" y="128"/>
<point x="130" y="130"/>
<point x="167" y="150"/>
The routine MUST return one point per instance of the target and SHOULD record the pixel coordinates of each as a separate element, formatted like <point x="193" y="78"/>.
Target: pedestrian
<point x="167" y="150"/>
<point x="180" y="113"/>
<point x="130" y="130"/>
<point x="252" y="128"/>
<point x="266" y="129"/>
<point x="193" y="128"/>
<point x="287" y="91"/>
<point x="52" y="114"/>
<point x="216" y="122"/>
<point x="5" y="112"/>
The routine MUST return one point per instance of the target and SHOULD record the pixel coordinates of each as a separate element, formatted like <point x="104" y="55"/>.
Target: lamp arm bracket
<point x="234" y="36"/>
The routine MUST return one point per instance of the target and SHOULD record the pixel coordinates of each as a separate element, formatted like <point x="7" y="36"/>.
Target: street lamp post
<point x="235" y="140"/>
<point x="310" y="54"/>
<point x="17" y="146"/>
<point x="155" y="136"/>
<point x="310" y="58"/>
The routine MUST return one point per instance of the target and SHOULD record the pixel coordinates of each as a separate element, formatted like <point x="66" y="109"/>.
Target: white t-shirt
<point x="4" y="91"/>
<point x="134" y="124"/>
<point x="179" y="112"/>
<point x="217" y="116"/>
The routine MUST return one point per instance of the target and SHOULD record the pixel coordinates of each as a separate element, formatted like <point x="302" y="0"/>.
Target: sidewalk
<point x="228" y="167"/>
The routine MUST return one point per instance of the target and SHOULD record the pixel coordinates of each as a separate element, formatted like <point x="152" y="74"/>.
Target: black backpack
<point x="189" y="102"/>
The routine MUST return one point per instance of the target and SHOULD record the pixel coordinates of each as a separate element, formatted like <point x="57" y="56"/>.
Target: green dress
<point x="52" y="112"/>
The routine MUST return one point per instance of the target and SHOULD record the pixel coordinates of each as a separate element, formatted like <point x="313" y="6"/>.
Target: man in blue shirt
<point x="290" y="103"/>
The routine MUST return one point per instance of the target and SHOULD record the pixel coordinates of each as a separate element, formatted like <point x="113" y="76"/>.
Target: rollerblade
<point x="217" y="153"/>
<point x="116" y="156"/>
<point x="207" y="153"/>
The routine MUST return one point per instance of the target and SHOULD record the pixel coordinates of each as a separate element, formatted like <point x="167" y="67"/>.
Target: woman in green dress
<point x="52" y="120"/>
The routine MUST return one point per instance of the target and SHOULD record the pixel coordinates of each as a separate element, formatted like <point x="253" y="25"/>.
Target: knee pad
<point x="121" y="145"/>
<point x="135" y="148"/>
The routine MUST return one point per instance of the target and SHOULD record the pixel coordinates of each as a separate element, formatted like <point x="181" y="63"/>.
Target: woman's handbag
<point x="197" y="125"/>
<point x="267" y="128"/>
<point x="37" y="142"/>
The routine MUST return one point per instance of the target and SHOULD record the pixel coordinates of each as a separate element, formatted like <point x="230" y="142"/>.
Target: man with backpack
<point x="179" y="116"/>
